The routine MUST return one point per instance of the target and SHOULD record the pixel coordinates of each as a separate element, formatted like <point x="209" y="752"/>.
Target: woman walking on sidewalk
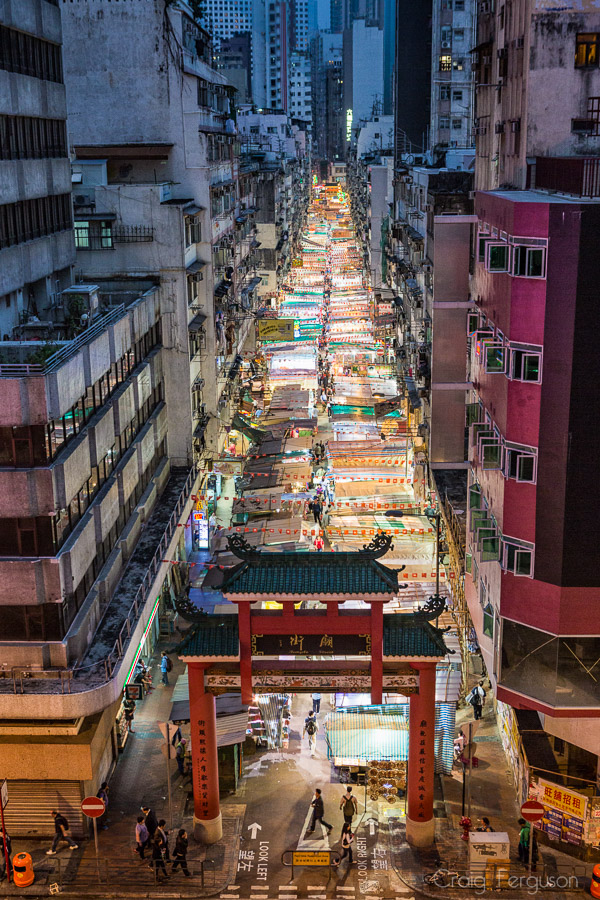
<point x="180" y="852"/>
<point x="347" y="841"/>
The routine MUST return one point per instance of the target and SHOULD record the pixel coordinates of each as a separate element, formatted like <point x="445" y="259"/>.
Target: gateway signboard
<point x="311" y="644"/>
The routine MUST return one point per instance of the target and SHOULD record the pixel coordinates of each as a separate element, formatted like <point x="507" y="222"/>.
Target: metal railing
<point x="77" y="679"/>
<point x="66" y="351"/>
<point x="120" y="871"/>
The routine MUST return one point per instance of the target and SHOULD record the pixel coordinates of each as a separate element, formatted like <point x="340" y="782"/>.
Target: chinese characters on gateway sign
<point x="201" y="767"/>
<point x="421" y="759"/>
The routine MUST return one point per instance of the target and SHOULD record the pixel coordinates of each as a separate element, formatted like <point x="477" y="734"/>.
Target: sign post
<point x="532" y="811"/>
<point x="93" y="808"/>
<point x="3" y="802"/>
<point x="168" y="731"/>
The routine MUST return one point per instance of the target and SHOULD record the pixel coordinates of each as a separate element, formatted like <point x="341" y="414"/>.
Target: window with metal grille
<point x="586" y="50"/>
<point x="593" y="114"/>
<point x="29" y="55"/>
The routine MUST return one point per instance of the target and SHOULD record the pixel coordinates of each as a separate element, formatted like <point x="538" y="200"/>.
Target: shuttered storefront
<point x="31" y="802"/>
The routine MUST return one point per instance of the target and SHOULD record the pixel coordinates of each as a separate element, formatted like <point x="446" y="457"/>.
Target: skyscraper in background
<point x="412" y="103"/>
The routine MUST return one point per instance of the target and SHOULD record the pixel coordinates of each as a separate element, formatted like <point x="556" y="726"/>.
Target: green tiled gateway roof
<point x="402" y="636"/>
<point x="310" y="573"/>
<point x="217" y="637"/>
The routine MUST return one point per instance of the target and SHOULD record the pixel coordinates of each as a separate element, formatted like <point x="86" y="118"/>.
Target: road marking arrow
<point x="253" y="829"/>
<point x="372" y="825"/>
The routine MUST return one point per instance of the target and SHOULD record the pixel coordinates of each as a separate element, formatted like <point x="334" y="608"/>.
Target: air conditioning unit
<point x="499" y="128"/>
<point x="446" y="45"/>
<point x="85" y="196"/>
<point x="515" y="125"/>
<point x="583" y="126"/>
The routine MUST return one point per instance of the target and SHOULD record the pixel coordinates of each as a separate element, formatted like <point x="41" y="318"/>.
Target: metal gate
<point x="31" y="802"/>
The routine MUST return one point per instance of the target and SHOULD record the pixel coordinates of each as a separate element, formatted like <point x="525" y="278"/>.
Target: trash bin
<point x="23" y="869"/>
<point x="595" y="884"/>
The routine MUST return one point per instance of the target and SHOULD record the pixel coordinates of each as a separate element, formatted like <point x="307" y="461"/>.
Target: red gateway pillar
<point x="376" y="653"/>
<point x="420" y="824"/>
<point x="205" y="767"/>
<point x="245" y="638"/>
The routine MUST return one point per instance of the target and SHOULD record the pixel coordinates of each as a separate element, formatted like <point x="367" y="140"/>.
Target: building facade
<point x="453" y="33"/>
<point x="412" y="76"/>
<point x="37" y="251"/>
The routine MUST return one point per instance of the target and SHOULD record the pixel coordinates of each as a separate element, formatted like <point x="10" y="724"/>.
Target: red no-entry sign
<point x="92" y="807"/>
<point x="532" y="811"/>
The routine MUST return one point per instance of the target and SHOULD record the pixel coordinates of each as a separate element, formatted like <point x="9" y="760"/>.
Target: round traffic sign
<point x="92" y="807"/>
<point x="532" y="811"/>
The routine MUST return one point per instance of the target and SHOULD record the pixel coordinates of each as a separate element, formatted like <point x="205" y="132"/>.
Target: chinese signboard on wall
<point x="276" y="329"/>
<point x="565" y="812"/>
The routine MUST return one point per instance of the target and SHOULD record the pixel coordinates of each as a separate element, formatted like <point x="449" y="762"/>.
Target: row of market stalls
<point x="324" y="338"/>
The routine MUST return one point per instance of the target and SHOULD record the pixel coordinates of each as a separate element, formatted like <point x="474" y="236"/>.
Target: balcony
<point x="579" y="176"/>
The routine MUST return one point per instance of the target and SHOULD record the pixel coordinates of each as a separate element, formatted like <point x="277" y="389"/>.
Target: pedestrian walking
<point x="129" y="707"/>
<point x="347" y="841"/>
<point x="103" y="795"/>
<point x="319" y="543"/>
<point x="151" y="820"/>
<point x="459" y="744"/>
<point x="142" y="836"/>
<point x="158" y="862"/>
<point x="61" y="835"/>
<point x="525" y="836"/>
<point x="180" y="852"/>
<point x="165" y="667"/>
<point x="317" y="511"/>
<point x="180" y="755"/>
<point x="318" y="813"/>
<point x="349" y="805"/>
<point x="477" y="698"/>
<point x="5" y="840"/>
<point x="316" y="702"/>
<point x="164" y="835"/>
<point x="311" y="727"/>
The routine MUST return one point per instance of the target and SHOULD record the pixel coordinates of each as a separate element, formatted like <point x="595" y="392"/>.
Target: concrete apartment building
<point x="280" y="152"/>
<point x="453" y="35"/>
<point x="156" y="193"/>
<point x="37" y="251"/>
<point x="531" y="586"/>
<point x="103" y="423"/>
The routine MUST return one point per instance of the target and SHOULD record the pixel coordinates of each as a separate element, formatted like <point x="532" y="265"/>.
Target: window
<point x="529" y="262"/>
<point x="459" y="34"/>
<point x="193" y="231"/>
<point x="458" y="64"/>
<point x="444" y="92"/>
<point x="526" y="366"/>
<point x="457" y="95"/>
<point x="456" y="124"/>
<point x="445" y="35"/>
<point x="517" y="556"/>
<point x="494" y="356"/>
<point x="444" y="122"/>
<point x="459" y="5"/>
<point x="497" y="257"/>
<point x="28" y="55"/>
<point x="31" y="219"/>
<point x="445" y="63"/>
<point x="26" y="137"/>
<point x="593" y="115"/>
<point x="586" y="50"/>
<point x="93" y="235"/>
<point x="488" y="621"/>
<point x="520" y="462"/>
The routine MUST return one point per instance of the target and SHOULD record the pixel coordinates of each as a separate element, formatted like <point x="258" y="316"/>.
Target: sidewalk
<point x="492" y="795"/>
<point x="139" y="778"/>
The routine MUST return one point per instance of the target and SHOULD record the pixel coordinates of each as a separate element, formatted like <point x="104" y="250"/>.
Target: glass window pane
<point x="535" y="263"/>
<point x="498" y="258"/>
<point x="531" y="367"/>
<point x="526" y="467"/>
<point x="523" y="562"/>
